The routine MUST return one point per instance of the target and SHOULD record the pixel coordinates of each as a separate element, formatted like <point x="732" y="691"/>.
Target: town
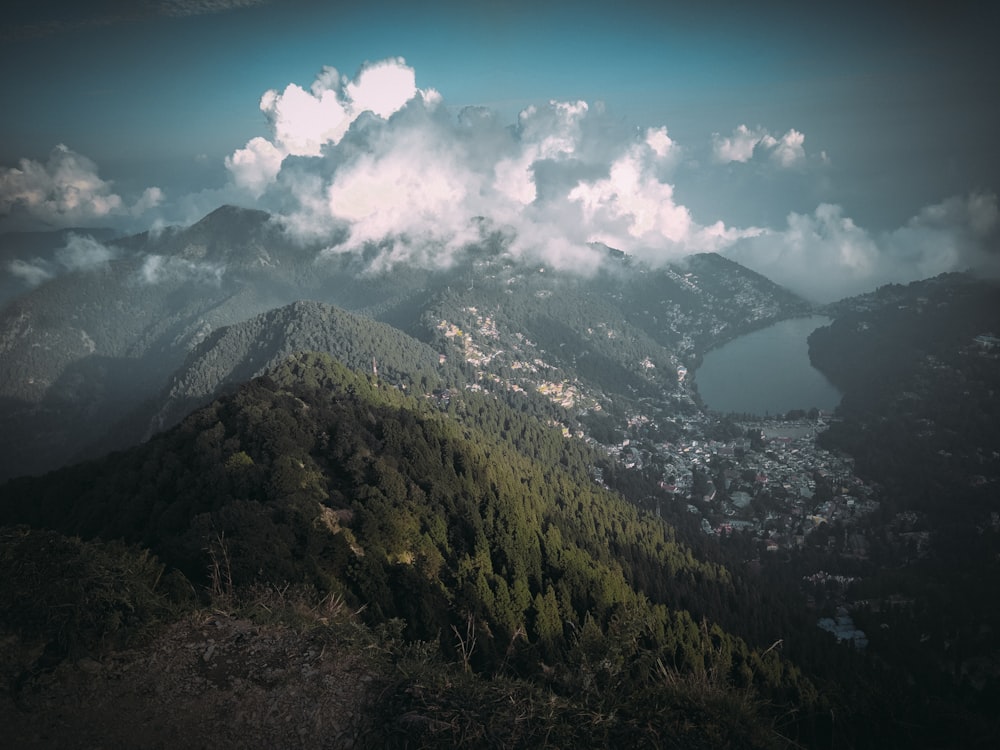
<point x="752" y="483"/>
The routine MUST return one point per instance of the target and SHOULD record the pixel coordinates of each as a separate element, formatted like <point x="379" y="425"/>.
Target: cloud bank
<point x="377" y="162"/>
<point x="374" y="164"/>
<point x="826" y="256"/>
<point x="64" y="191"/>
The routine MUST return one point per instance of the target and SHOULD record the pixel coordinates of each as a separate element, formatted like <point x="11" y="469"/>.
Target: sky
<point x="832" y="147"/>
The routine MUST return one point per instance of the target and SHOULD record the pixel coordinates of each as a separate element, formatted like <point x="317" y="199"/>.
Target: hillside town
<point x="772" y="483"/>
<point x="775" y="484"/>
<point x="765" y="483"/>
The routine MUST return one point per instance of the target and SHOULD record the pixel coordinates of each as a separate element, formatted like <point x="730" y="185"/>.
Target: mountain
<point x="483" y="536"/>
<point x="89" y="349"/>
<point x="234" y="354"/>
<point x="920" y="368"/>
<point x="473" y="516"/>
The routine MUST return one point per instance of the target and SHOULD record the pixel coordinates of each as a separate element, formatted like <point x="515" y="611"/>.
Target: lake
<point x="766" y="372"/>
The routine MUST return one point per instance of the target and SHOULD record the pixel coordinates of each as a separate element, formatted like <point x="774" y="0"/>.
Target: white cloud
<point x="634" y="202"/>
<point x="826" y="256"/>
<point x="737" y="147"/>
<point x="787" y="150"/>
<point x="658" y="140"/>
<point x="304" y="122"/>
<point x="151" y="198"/>
<point x="83" y="253"/>
<point x="63" y="191"/>
<point x="410" y="178"/>
<point x="375" y="163"/>
<point x="382" y="88"/>
<point x="80" y="253"/>
<point x="31" y="273"/>
<point x="552" y="132"/>
<point x="415" y="190"/>
<point x="953" y="235"/>
<point x="741" y="146"/>
<point x="635" y="211"/>
<point x="255" y="166"/>
<point x="159" y="269"/>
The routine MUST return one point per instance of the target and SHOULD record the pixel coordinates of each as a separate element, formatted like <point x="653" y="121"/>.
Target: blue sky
<point x="858" y="136"/>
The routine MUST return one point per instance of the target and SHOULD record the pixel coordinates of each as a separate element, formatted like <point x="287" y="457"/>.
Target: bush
<point x="75" y="595"/>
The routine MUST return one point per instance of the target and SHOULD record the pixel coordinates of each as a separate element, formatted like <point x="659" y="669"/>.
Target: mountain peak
<point x="227" y="213"/>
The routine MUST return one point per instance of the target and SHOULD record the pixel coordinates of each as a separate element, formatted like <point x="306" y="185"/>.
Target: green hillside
<point x="84" y="352"/>
<point x="486" y="528"/>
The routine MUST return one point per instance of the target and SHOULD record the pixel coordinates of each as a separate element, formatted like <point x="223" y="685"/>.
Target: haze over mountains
<point x="504" y="446"/>
<point x="100" y="344"/>
<point x="350" y="362"/>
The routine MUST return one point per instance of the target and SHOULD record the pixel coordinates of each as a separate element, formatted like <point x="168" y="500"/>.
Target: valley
<point x="502" y="455"/>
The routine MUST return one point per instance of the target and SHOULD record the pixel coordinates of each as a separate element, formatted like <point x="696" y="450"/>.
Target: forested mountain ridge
<point x="613" y="343"/>
<point x="234" y="354"/>
<point x="88" y="347"/>
<point x="82" y="349"/>
<point x="920" y="369"/>
<point x="319" y="477"/>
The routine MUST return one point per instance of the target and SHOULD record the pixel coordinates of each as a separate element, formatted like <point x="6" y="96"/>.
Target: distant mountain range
<point x="140" y="331"/>
<point x="454" y="479"/>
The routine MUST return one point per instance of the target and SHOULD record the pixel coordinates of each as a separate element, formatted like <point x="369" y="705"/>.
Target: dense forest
<point x="321" y="477"/>
<point x="437" y="475"/>
<point x="920" y="414"/>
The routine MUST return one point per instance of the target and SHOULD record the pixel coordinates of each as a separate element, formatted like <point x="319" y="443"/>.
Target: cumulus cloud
<point x="304" y="122"/>
<point x="255" y="166"/>
<point x="375" y="163"/>
<point x="826" y="256"/>
<point x="634" y="211"/>
<point x="63" y="191"/>
<point x="786" y="150"/>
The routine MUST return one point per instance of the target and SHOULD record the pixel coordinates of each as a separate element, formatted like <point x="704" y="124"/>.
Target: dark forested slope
<point x="234" y="354"/>
<point x="920" y="369"/>
<point x="317" y="476"/>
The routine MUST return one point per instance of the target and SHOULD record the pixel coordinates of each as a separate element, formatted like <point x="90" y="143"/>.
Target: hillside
<point x="234" y="354"/>
<point x="920" y="369"/>
<point x="484" y="535"/>
<point x="86" y="351"/>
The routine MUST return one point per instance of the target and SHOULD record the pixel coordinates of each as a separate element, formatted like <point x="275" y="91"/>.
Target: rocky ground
<point x="207" y="681"/>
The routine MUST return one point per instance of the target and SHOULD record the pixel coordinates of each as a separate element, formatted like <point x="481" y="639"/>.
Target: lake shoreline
<point x="766" y="372"/>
